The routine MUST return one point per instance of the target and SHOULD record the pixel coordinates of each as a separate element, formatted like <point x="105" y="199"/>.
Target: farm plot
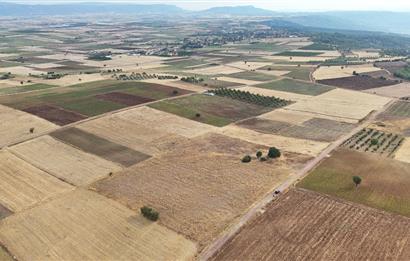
<point x="55" y="114"/>
<point x="15" y="125"/>
<point x="213" y="110"/>
<point x="299" y="53"/>
<point x="248" y="65"/>
<point x="314" y="129"/>
<point x="215" y="70"/>
<point x="299" y="87"/>
<point x="280" y="94"/>
<point x="395" y="91"/>
<point x="341" y="105"/>
<point x="98" y="146"/>
<point x="304" y="225"/>
<point x="237" y="80"/>
<point x="25" y="88"/>
<point x="384" y="180"/>
<point x="82" y="225"/>
<point x="195" y="199"/>
<point x="248" y="97"/>
<point x="331" y="72"/>
<point x="22" y="185"/>
<point x="375" y="141"/>
<point x="252" y="76"/>
<point x="358" y="82"/>
<point x="392" y="67"/>
<point x="131" y="131"/>
<point x="403" y="153"/>
<point x="91" y="99"/>
<point x="308" y="147"/>
<point x="399" y="109"/>
<point x="63" y="161"/>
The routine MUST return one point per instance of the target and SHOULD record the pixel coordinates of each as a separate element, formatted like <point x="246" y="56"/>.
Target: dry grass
<point x="83" y="225"/>
<point x="331" y="72"/>
<point x="249" y="65"/>
<point x="201" y="187"/>
<point x="283" y="115"/>
<point x="15" y="125"/>
<point x="342" y="104"/>
<point x="239" y="81"/>
<point x="394" y="91"/>
<point x="403" y="153"/>
<point x="307" y="147"/>
<point x="304" y="225"/>
<point x="63" y="161"/>
<point x="22" y="185"/>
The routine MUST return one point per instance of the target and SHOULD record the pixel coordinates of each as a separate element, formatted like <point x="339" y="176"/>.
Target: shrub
<point x="31" y="130"/>
<point x="263" y="159"/>
<point x="198" y="115"/>
<point x="259" y="154"/>
<point x="357" y="180"/>
<point x="273" y="153"/>
<point x="374" y="142"/>
<point x="246" y="159"/>
<point x="149" y="213"/>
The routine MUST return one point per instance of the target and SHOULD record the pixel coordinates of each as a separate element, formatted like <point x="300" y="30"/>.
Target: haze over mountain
<point x="395" y="22"/>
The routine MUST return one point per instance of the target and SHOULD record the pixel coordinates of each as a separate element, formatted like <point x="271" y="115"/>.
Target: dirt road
<point x="259" y="206"/>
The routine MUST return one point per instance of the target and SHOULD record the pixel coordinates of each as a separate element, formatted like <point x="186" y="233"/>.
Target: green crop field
<point x="384" y="182"/>
<point x="288" y="85"/>
<point x="213" y="110"/>
<point x="253" y="76"/>
<point x="25" y="88"/>
<point x="296" y="53"/>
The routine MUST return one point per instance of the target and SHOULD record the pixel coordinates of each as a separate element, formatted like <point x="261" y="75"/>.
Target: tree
<point x="259" y="154"/>
<point x="374" y="142"/>
<point x="31" y="130"/>
<point x="273" y="153"/>
<point x="246" y="159"/>
<point x="357" y="180"/>
<point x="149" y="213"/>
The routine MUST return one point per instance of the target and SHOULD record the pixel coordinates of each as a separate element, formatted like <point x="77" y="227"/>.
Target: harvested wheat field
<point x="288" y="116"/>
<point x="83" y="225"/>
<point x="307" y="147"/>
<point x="395" y="91"/>
<point x="343" y="105"/>
<point x="403" y="153"/>
<point x="198" y="194"/>
<point x="177" y="84"/>
<point x="248" y="65"/>
<point x="22" y="185"/>
<point x="304" y="225"/>
<point x="331" y="72"/>
<point x="15" y="125"/>
<point x="283" y="95"/>
<point x="123" y="129"/>
<point x="63" y="161"/>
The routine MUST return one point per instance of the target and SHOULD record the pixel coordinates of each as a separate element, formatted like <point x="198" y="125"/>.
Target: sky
<point x="276" y="5"/>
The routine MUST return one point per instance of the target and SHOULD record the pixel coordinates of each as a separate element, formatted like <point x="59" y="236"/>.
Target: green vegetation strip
<point x="288" y="85"/>
<point x="296" y="53"/>
<point x="26" y="88"/>
<point x="248" y="97"/>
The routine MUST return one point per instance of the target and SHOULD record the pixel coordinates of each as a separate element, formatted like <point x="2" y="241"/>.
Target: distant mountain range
<point x="394" y="22"/>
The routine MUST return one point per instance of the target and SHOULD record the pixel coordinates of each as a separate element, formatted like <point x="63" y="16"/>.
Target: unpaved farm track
<point x="212" y="249"/>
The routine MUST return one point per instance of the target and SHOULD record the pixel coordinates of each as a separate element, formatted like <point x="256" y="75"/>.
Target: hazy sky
<point x="280" y="5"/>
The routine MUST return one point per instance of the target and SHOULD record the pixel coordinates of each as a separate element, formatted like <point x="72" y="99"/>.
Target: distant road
<point x="260" y="205"/>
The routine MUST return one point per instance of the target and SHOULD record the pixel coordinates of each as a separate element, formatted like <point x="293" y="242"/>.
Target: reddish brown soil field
<point x="123" y="98"/>
<point x="358" y="82"/>
<point x="55" y="114"/>
<point x="391" y="66"/>
<point x="304" y="225"/>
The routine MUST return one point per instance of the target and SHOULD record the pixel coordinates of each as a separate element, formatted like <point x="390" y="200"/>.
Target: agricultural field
<point x="331" y="72"/>
<point x="193" y="199"/>
<point x="252" y="76"/>
<point x="289" y="96"/>
<point x="98" y="146"/>
<point x="313" y="129"/>
<point x="400" y="109"/>
<point x="308" y="225"/>
<point x="374" y="141"/>
<point x="384" y="182"/>
<point x="86" y="226"/>
<point x="342" y="105"/>
<point x="358" y="82"/>
<point x="22" y="185"/>
<point x="63" y="161"/>
<point x="299" y="87"/>
<point x="299" y="53"/>
<point x="400" y="90"/>
<point x="213" y="110"/>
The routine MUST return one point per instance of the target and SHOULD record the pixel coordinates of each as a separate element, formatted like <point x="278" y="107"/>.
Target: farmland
<point x="384" y="181"/>
<point x="370" y="140"/>
<point x="310" y="225"/>
<point x="362" y="82"/>
<point x="288" y="85"/>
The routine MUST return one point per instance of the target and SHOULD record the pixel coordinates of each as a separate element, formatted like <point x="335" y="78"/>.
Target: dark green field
<point x="288" y="85"/>
<point x="296" y="53"/>
<point x="25" y="88"/>
<point x="253" y="76"/>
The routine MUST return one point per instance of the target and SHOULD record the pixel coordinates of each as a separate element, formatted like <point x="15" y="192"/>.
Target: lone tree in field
<point x="357" y="180"/>
<point x="246" y="159"/>
<point x="259" y="154"/>
<point x="273" y="153"/>
<point x="149" y="213"/>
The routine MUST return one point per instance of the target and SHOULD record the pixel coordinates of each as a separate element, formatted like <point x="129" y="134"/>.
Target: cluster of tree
<point x="149" y="213"/>
<point x="273" y="153"/>
<point x="403" y="73"/>
<point x="6" y="76"/>
<point x="192" y="79"/>
<point x="99" y="56"/>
